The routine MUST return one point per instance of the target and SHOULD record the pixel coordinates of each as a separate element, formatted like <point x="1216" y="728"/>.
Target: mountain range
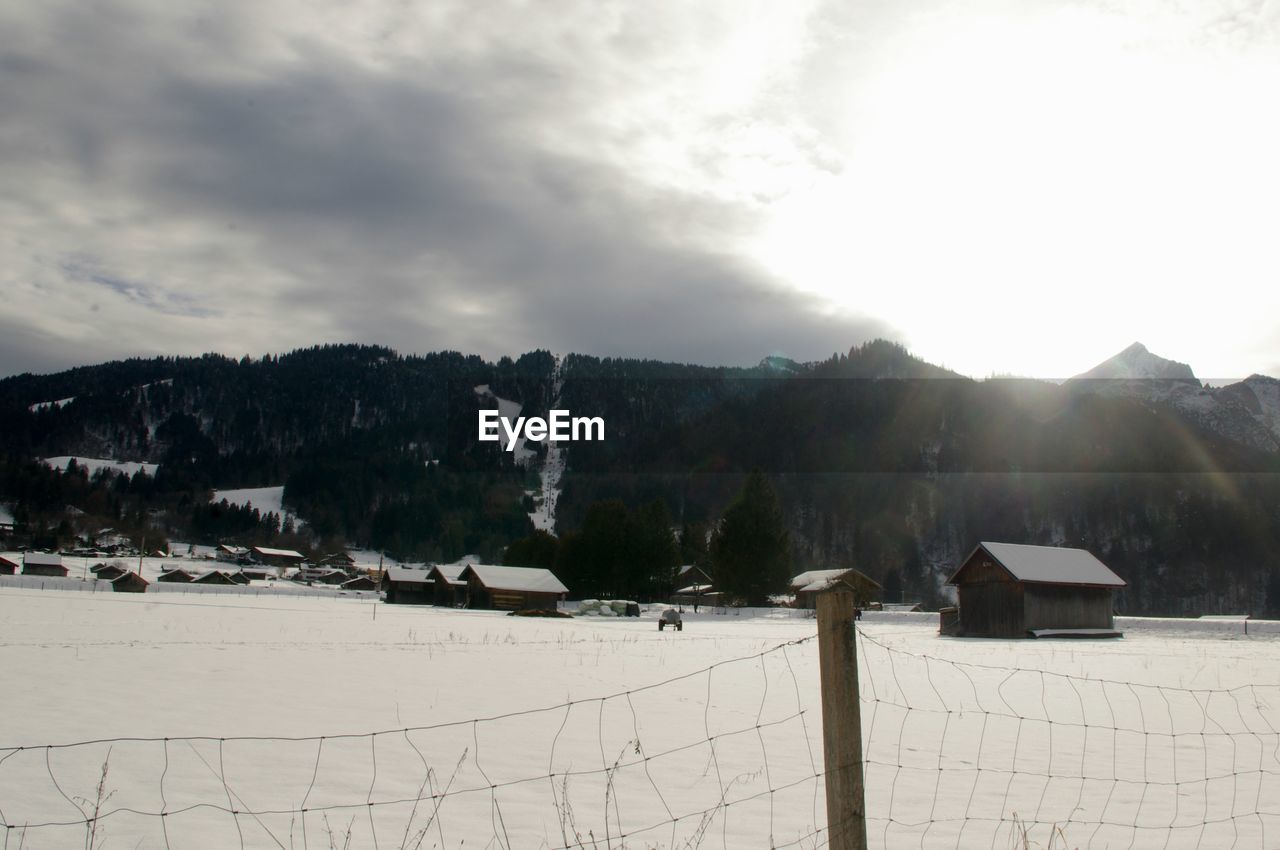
<point x="882" y="460"/>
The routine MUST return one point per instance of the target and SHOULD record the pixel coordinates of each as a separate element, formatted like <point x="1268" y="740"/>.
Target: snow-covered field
<point x="497" y="731"/>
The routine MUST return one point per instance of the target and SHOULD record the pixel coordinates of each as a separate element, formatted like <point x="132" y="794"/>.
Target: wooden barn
<point x="359" y="583"/>
<point x="511" y="588"/>
<point x="8" y="567"/>
<point x="405" y="586"/>
<point x="175" y="576"/>
<point x="214" y="577"/>
<point x="228" y="554"/>
<point x="129" y="583"/>
<point x="1008" y="590"/>
<point x="42" y="564"/>
<point x="449" y="590"/>
<point x="107" y="572"/>
<point x="277" y="557"/>
<point x="807" y="586"/>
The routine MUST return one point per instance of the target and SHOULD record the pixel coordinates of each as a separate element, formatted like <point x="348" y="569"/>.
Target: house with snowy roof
<point x="43" y="564"/>
<point x="407" y="586"/>
<point x="511" y="588"/>
<point x="1010" y="590"/>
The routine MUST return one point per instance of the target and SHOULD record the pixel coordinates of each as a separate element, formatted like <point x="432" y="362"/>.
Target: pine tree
<point x="750" y="552"/>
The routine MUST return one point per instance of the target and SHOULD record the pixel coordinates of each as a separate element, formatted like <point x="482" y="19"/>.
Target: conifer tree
<point x="750" y="552"/>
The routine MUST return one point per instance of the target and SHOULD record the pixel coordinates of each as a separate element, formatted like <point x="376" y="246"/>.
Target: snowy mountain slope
<point x="1137" y="363"/>
<point x="1247" y="412"/>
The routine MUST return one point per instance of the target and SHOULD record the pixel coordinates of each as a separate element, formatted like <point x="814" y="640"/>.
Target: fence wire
<point x="583" y="773"/>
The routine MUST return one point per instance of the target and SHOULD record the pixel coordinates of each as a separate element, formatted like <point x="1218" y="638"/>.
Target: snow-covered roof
<point x="278" y="553"/>
<point x="1048" y="565"/>
<point x="42" y="559"/>
<point x="407" y="574"/>
<point x="816" y="580"/>
<point x="703" y="589"/>
<point x="451" y="573"/>
<point x="526" y="579"/>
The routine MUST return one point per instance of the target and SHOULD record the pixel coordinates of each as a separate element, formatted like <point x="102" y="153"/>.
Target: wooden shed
<point x="1009" y="590"/>
<point x="277" y="557"/>
<point x="42" y="564"/>
<point x="808" y="585"/>
<point x="359" y="583"/>
<point x="129" y="583"/>
<point x="8" y="567"/>
<point x="214" y="577"/>
<point x="405" y="586"/>
<point x="511" y="588"/>
<point x="176" y="576"/>
<point x="449" y="590"/>
<point x="107" y="572"/>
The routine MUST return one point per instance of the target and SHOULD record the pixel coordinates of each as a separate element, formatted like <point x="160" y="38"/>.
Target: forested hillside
<point x="880" y="461"/>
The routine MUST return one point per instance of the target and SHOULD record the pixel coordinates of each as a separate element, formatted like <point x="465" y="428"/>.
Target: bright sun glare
<point x="1029" y="194"/>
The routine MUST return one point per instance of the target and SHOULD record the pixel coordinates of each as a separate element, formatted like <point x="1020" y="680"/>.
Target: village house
<point x="405" y="586"/>
<point x="42" y="564"/>
<point x="276" y="557"/>
<point x="214" y="577"/>
<point x="359" y="583"/>
<point x="129" y="583"/>
<point x="1009" y="590"/>
<point x="511" y="588"/>
<point x="449" y="590"/>
<point x="228" y="554"/>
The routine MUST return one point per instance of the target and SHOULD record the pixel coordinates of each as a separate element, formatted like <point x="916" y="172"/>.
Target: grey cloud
<point x="413" y="206"/>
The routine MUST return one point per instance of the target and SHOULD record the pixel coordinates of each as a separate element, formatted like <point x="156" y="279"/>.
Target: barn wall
<point x="992" y="609"/>
<point x="409" y="593"/>
<point x="1049" y="607"/>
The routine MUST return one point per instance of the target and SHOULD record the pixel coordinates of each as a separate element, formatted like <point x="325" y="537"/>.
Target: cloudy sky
<point x="1004" y="187"/>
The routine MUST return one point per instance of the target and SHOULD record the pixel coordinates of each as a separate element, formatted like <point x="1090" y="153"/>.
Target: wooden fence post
<point x="841" y="722"/>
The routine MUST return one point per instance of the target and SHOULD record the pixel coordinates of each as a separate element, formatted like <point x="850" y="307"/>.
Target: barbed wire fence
<point x="955" y="754"/>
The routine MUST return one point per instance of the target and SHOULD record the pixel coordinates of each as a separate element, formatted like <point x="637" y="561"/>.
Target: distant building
<point x="405" y="586"/>
<point x="448" y="589"/>
<point x="338" y="560"/>
<point x="511" y="588"/>
<point x="8" y="567"/>
<point x="214" y="577"/>
<point x="175" y="576"/>
<point x="1008" y="590"/>
<point x="232" y="554"/>
<point x="129" y="583"/>
<point x="42" y="564"/>
<point x="107" y="572"/>
<point x="277" y="557"/>
<point x="808" y="585"/>
<point x="359" y="583"/>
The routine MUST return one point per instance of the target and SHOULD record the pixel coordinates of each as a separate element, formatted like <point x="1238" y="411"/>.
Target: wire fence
<point x="957" y="754"/>
<point x="584" y="773"/>
<point x="965" y="754"/>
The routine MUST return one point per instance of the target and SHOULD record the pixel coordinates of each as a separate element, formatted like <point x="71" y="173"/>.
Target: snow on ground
<point x="508" y="410"/>
<point x="265" y="499"/>
<point x="45" y="405"/>
<point x="95" y="465"/>
<point x="1105" y="738"/>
